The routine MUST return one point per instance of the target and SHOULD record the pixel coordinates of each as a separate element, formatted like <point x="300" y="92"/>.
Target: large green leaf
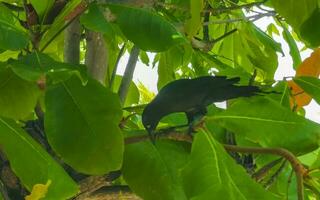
<point x="311" y="85"/>
<point x="264" y="121"/>
<point x="18" y="97"/>
<point x="148" y="30"/>
<point x="211" y="172"/>
<point x="303" y="16"/>
<point x="32" y="164"/>
<point x="81" y="124"/>
<point x="295" y="12"/>
<point x="32" y="66"/>
<point x="12" y="37"/>
<point x="152" y="171"/>
<point x="310" y="29"/>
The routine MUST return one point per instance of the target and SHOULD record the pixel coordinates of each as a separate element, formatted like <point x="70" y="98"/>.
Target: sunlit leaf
<point x="294" y="51"/>
<point x="194" y="23"/>
<point x="39" y="191"/>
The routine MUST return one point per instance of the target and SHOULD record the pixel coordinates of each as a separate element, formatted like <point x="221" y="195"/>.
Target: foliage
<point x="58" y="124"/>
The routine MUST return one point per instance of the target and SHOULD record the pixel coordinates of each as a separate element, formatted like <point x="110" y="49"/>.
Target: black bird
<point x="192" y="96"/>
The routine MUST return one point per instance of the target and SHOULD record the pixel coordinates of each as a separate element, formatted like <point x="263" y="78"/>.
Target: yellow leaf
<point x="39" y="191"/>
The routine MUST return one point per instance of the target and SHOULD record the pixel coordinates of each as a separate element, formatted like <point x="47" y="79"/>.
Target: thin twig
<point x="235" y="7"/>
<point x="249" y="18"/>
<point x="258" y="176"/>
<point x="275" y="175"/>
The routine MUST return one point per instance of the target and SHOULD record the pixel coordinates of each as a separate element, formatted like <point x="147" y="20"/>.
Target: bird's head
<point x="150" y="119"/>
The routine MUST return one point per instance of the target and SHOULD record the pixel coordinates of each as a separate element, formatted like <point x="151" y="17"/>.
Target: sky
<point x="148" y="75"/>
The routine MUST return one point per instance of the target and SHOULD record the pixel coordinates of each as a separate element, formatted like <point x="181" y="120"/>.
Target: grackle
<point x="192" y="96"/>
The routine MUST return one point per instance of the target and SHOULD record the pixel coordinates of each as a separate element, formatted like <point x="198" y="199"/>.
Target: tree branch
<point x="249" y="18"/>
<point x="235" y="7"/>
<point x="72" y="42"/>
<point x="128" y="74"/>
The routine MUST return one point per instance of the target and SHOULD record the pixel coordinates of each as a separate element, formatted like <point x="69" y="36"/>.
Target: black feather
<point x="192" y="96"/>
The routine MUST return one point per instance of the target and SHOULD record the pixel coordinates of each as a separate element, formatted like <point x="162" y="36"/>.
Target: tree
<point x="71" y="128"/>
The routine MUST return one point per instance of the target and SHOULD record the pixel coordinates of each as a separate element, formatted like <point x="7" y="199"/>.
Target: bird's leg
<point x="194" y="117"/>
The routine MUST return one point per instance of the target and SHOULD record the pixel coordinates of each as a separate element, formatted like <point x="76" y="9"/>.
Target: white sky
<point x="148" y="75"/>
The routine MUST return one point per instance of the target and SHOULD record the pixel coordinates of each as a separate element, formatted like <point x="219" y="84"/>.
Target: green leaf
<point x="18" y="97"/>
<point x="94" y="19"/>
<point x="32" y="164"/>
<point x="81" y="124"/>
<point x="265" y="122"/>
<point x="133" y="95"/>
<point x="165" y="70"/>
<point x="144" y="58"/>
<point x="148" y="30"/>
<point x="266" y="39"/>
<point x="211" y="172"/>
<point x="42" y="7"/>
<point x="272" y="29"/>
<point x="194" y="23"/>
<point x="310" y="29"/>
<point x="294" y="51"/>
<point x="303" y="16"/>
<point x="295" y="12"/>
<point x="32" y="66"/>
<point x="152" y="171"/>
<point x="58" y="23"/>
<point x="12" y="37"/>
<point x="310" y="85"/>
<point x="169" y="62"/>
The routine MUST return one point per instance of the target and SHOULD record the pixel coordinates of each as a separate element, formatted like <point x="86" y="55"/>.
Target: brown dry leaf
<point x="310" y="66"/>
<point x="299" y="98"/>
